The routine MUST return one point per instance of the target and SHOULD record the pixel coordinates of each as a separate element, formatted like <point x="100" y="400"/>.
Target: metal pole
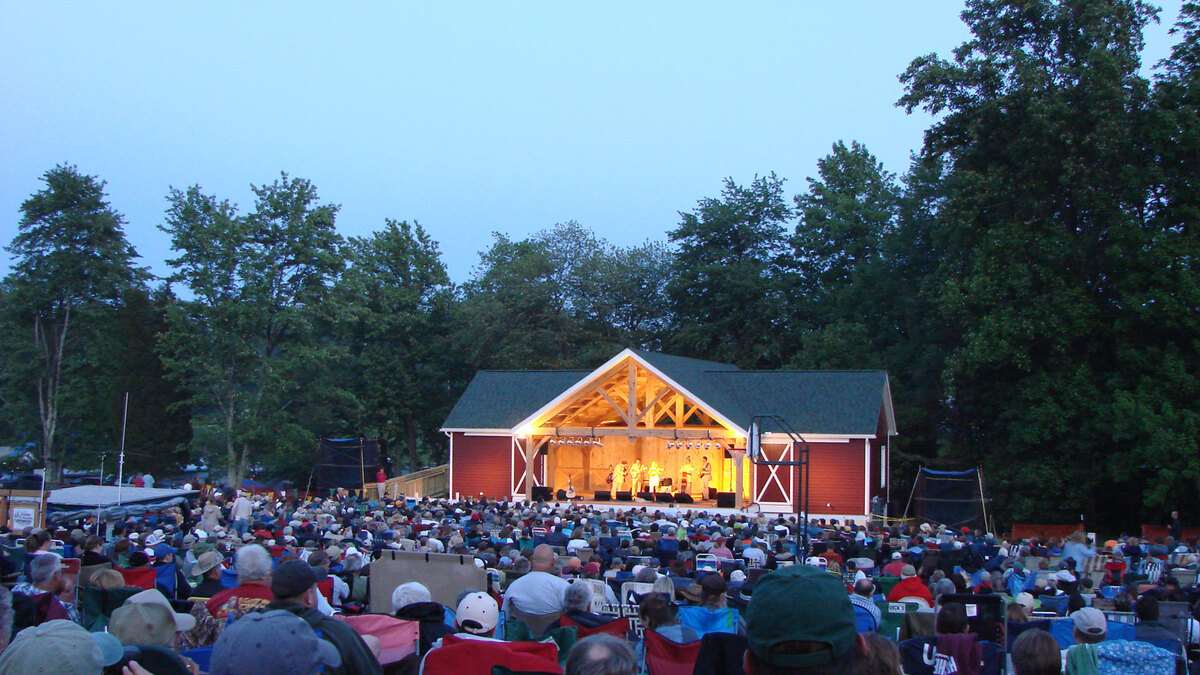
<point x="121" y="460"/>
<point x="982" y="500"/>
<point x="99" y="499"/>
<point x="42" y="497"/>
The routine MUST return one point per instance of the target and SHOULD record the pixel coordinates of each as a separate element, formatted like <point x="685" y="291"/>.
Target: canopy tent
<point x="83" y="501"/>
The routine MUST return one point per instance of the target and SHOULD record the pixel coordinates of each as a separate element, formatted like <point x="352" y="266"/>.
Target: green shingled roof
<point x="814" y="402"/>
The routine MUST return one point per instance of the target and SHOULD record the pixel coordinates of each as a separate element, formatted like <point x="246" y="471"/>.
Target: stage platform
<point x="709" y="506"/>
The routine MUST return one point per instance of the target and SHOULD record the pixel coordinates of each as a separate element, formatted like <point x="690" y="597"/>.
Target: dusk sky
<point x="467" y="117"/>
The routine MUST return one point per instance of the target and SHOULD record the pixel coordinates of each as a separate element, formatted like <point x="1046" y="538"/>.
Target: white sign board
<point x="23" y="517"/>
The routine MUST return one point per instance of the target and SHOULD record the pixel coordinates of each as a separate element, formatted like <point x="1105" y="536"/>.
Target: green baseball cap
<point x="800" y="603"/>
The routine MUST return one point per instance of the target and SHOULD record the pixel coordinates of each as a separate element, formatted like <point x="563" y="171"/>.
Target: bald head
<point x="542" y="559"/>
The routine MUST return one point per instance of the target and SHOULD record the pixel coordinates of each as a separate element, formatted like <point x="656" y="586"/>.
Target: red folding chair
<point x="618" y="627"/>
<point x="664" y="657"/>
<point x="143" y="577"/>
<point x="397" y="638"/>
<point x="458" y="656"/>
<point x="326" y="587"/>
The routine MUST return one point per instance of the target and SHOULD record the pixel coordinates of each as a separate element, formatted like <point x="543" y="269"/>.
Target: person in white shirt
<point x="540" y="591"/>
<point x="240" y="513"/>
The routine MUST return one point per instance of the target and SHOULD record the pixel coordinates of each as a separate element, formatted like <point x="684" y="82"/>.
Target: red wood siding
<point x="481" y="464"/>
<point x="837" y="478"/>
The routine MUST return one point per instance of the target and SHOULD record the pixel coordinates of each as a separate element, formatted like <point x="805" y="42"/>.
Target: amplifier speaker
<point x="541" y="493"/>
<point x="603" y="496"/>
<point x="664" y="497"/>
<point x="624" y="496"/>
<point x="724" y="500"/>
<point x="683" y="498"/>
<point x="648" y="496"/>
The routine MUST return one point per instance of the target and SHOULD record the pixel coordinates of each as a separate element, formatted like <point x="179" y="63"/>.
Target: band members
<point x="705" y="477"/>
<point x="685" y="475"/>
<point x="637" y="473"/>
<point x="620" y="474"/>
<point x="655" y="474"/>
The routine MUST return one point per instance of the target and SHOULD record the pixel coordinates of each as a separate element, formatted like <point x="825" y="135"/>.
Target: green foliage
<point x="71" y="266"/>
<point x="245" y="343"/>
<point x="727" y="287"/>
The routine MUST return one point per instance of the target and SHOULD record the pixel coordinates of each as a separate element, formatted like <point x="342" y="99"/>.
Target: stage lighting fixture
<point x="708" y="446"/>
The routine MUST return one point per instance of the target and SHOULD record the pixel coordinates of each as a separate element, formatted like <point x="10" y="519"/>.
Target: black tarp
<point x="951" y="498"/>
<point x="346" y="462"/>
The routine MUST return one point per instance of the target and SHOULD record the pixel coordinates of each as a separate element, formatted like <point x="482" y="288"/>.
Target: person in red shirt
<point x="895" y="567"/>
<point x="254" y="586"/>
<point x="910" y="586"/>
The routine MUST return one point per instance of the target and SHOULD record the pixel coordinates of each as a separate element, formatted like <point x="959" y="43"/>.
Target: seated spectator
<point x="880" y="656"/>
<point x="253" y="591"/>
<point x="910" y="585"/>
<point x="658" y="614"/>
<point x="41" y="598"/>
<point x="91" y="552"/>
<point x="107" y="579"/>
<point x="60" y="646"/>
<point x="601" y="654"/>
<point x="294" y="586"/>
<point x="477" y="616"/>
<point x="799" y="621"/>
<point x="164" y="555"/>
<point x="895" y="567"/>
<point x="412" y="602"/>
<point x="867" y="614"/>
<point x="208" y="568"/>
<point x="144" y="624"/>
<point x="1035" y="652"/>
<point x="321" y="561"/>
<point x="577" y="600"/>
<point x="1149" y="627"/>
<point x="540" y="592"/>
<point x="272" y="642"/>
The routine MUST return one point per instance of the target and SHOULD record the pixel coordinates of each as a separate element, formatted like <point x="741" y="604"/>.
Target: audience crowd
<point x="239" y="583"/>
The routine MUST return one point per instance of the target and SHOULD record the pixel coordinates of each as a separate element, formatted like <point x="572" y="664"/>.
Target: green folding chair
<point x="893" y="617"/>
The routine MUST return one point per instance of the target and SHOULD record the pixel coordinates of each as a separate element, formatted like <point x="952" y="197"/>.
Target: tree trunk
<point x="230" y="454"/>
<point x="410" y="428"/>
<point x="51" y="348"/>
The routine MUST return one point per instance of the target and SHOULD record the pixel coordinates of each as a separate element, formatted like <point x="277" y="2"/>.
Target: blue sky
<point x="467" y="117"/>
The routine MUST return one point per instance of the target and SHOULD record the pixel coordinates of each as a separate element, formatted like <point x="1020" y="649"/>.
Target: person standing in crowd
<point x="240" y="513"/>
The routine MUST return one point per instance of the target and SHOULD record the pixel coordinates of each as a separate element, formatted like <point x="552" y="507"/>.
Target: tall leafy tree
<point x="244" y="343"/>
<point x="726" y="287"/>
<point x="394" y="301"/>
<point x="71" y="265"/>
<point x="1042" y="126"/>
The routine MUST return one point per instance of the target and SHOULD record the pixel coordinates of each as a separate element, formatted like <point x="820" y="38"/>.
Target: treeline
<point x="1029" y="283"/>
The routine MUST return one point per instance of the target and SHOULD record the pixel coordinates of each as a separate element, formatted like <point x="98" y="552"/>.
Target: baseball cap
<point x="1064" y="575"/>
<point x="1025" y="600"/>
<point x="163" y="550"/>
<point x="143" y="624"/>
<point x="76" y="650"/>
<point x="183" y="622"/>
<point x="908" y="571"/>
<point x="477" y="613"/>
<point x="895" y="555"/>
<point x="800" y="603"/>
<point x="292" y="578"/>
<point x="271" y="642"/>
<point x="1090" y="621"/>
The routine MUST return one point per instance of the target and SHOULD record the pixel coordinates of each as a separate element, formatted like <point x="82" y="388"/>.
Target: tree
<point x="71" y="265"/>
<point x="394" y="300"/>
<point x="245" y="343"/>
<point x="726" y="289"/>
<point x="1043" y="127"/>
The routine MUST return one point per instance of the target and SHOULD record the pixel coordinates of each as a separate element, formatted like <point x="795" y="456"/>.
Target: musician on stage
<point x="705" y="477"/>
<point x="636" y="473"/>
<point x="619" y="473"/>
<point x="655" y="473"/>
<point x="685" y="475"/>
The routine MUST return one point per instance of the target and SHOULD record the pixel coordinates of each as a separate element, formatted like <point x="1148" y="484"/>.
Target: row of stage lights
<point x="575" y="441"/>
<point x="697" y="445"/>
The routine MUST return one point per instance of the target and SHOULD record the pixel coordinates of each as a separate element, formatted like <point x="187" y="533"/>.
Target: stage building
<point x="528" y="434"/>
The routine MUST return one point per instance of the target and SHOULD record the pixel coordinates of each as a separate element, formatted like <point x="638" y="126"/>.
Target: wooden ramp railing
<point x="431" y="482"/>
